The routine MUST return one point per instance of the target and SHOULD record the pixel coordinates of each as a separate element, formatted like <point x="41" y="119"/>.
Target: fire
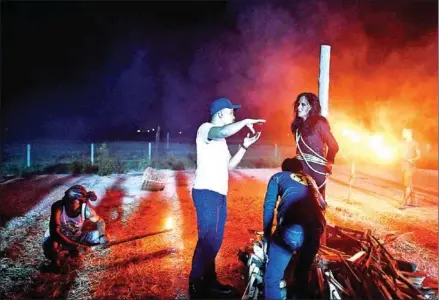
<point x="375" y="142"/>
<point x="386" y="154"/>
<point x="355" y="137"/>
<point x="169" y="224"/>
<point x="360" y="143"/>
<point x="381" y="150"/>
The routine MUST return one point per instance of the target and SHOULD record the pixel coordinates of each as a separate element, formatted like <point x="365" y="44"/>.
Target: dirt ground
<point x="158" y="267"/>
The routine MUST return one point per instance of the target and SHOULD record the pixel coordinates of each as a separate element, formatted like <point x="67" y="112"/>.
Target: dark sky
<point x="83" y="70"/>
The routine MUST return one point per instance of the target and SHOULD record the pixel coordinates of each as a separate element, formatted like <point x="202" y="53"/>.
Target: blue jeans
<point x="211" y="208"/>
<point x="286" y="240"/>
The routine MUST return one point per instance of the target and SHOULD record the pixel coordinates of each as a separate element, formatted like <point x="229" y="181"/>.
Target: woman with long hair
<point x="316" y="147"/>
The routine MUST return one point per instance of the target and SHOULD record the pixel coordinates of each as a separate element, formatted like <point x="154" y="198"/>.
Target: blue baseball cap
<point x="220" y="104"/>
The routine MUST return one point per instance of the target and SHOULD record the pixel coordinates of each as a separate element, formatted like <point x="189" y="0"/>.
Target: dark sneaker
<point x="196" y="289"/>
<point x="218" y="290"/>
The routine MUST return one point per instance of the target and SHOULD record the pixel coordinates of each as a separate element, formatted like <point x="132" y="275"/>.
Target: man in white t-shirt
<point x="210" y="190"/>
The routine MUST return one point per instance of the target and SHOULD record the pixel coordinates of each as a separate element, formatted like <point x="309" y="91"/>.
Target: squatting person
<point x="300" y="224"/>
<point x="67" y="236"/>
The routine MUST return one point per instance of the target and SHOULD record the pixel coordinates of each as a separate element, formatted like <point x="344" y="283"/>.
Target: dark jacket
<point x="316" y="133"/>
<point x="300" y="202"/>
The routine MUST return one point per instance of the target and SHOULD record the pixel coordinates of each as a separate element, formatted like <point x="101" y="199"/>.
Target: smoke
<point x="378" y="78"/>
<point x="133" y="97"/>
<point x="383" y="73"/>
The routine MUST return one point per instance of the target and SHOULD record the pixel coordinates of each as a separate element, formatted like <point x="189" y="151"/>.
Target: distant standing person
<point x="409" y="153"/>
<point x="210" y="191"/>
<point x="316" y="147"/>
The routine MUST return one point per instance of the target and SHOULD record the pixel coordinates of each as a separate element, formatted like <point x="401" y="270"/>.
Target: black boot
<point x="217" y="290"/>
<point x="196" y="289"/>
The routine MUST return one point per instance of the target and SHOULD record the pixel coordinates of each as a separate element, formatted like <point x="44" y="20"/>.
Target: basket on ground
<point x="153" y="180"/>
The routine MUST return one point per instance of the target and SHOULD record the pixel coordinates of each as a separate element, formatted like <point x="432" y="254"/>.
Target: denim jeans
<point x="286" y="240"/>
<point x="211" y="208"/>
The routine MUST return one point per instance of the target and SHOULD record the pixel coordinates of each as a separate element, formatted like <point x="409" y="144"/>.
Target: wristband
<point x="242" y="146"/>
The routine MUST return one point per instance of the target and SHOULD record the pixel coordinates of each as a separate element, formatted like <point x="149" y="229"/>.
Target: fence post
<point x="149" y="152"/>
<point x="28" y="156"/>
<point x="92" y="153"/>
<point x="157" y="140"/>
<point x="275" y="152"/>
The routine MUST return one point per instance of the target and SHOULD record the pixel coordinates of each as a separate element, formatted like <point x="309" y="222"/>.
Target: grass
<point x="152" y="268"/>
<point x="21" y="257"/>
<point x="108" y="161"/>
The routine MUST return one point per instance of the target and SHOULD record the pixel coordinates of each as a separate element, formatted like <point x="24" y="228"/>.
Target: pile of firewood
<point x="356" y="265"/>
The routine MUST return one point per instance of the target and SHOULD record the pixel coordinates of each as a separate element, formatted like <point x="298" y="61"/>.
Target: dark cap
<point x="220" y="104"/>
<point x="80" y="192"/>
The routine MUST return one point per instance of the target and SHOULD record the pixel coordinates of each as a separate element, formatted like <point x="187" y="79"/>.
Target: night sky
<point x="101" y="70"/>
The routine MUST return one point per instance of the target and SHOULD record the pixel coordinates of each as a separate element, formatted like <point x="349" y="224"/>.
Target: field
<point x="48" y="156"/>
<point x="72" y="156"/>
<point x="158" y="267"/>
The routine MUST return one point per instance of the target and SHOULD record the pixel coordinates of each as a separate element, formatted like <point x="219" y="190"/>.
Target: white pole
<point x="167" y="140"/>
<point x="157" y="140"/>
<point x="275" y="151"/>
<point x="92" y="154"/>
<point x="325" y="54"/>
<point x="28" y="155"/>
<point x="149" y="152"/>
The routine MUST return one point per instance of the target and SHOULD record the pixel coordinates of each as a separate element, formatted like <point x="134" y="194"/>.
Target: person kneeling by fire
<point x="300" y="224"/>
<point x="74" y="226"/>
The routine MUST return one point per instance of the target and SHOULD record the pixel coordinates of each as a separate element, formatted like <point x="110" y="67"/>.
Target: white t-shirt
<point x="213" y="158"/>
<point x="72" y="227"/>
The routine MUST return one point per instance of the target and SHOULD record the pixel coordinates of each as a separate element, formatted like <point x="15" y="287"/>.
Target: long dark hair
<point x="306" y="127"/>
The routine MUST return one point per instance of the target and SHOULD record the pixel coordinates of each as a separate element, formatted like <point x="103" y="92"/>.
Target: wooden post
<point x="28" y="155"/>
<point x="325" y="54"/>
<point x="92" y="154"/>
<point x="351" y="180"/>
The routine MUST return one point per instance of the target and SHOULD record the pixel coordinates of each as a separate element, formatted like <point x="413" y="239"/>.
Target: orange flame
<point x="169" y="224"/>
<point x="362" y="144"/>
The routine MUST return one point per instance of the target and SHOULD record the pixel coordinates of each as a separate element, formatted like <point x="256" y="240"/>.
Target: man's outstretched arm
<point x="221" y="132"/>
<point x="100" y="223"/>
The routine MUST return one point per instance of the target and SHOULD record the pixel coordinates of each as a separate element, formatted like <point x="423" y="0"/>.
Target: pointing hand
<point x="250" y="123"/>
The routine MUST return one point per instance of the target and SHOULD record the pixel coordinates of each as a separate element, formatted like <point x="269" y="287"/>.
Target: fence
<point x="133" y="155"/>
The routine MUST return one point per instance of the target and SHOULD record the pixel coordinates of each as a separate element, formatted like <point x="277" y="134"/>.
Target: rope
<point x="314" y="158"/>
<point x="311" y="158"/>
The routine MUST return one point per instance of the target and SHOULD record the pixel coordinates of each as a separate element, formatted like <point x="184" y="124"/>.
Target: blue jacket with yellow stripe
<point x="300" y="201"/>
